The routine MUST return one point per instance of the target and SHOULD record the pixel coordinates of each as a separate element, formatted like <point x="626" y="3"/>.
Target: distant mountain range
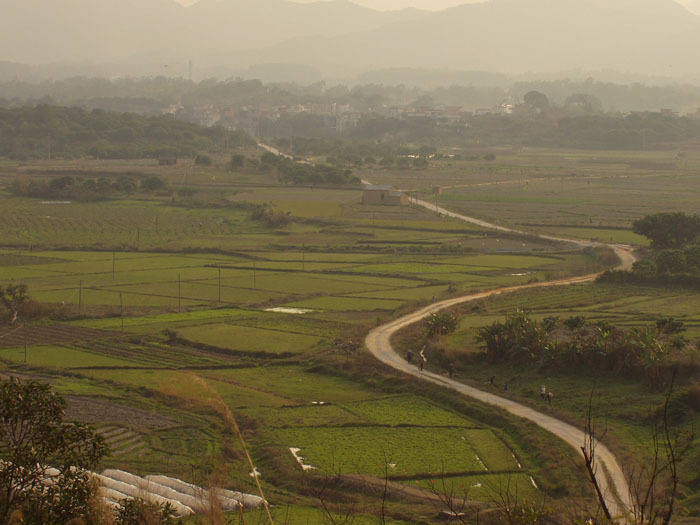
<point x="654" y="37"/>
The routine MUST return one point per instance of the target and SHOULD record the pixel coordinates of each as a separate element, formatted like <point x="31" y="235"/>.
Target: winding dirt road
<point x="378" y="342"/>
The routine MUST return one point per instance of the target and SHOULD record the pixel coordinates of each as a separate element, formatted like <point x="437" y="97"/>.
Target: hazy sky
<point x="382" y="5"/>
<point x="400" y="4"/>
<point x="434" y="5"/>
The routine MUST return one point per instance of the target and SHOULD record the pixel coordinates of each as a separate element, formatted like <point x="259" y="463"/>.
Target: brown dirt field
<point x="99" y="411"/>
<point x="13" y="336"/>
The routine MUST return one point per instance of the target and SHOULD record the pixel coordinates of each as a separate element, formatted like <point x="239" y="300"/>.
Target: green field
<point x="155" y="310"/>
<point x="243" y="338"/>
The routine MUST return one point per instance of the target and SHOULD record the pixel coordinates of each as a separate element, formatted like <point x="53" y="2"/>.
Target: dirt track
<point x="378" y="342"/>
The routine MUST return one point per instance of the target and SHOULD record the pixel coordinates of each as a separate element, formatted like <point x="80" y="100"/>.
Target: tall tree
<point x="44" y="472"/>
<point x="669" y="230"/>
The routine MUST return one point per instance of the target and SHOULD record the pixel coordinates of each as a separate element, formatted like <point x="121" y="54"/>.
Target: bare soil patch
<point x="99" y="411"/>
<point x="14" y="336"/>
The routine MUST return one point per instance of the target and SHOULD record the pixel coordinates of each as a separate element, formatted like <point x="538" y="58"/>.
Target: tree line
<point x="576" y="343"/>
<point x="290" y="171"/>
<point x="675" y="251"/>
<point x="152" y="95"/>
<point x="85" y="189"/>
<point x="43" y="131"/>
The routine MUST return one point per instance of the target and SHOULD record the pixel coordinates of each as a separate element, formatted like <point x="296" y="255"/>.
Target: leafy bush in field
<point x="237" y="161"/>
<point x="267" y="214"/>
<point x="675" y="238"/>
<point x="137" y="511"/>
<point x="153" y="183"/>
<point x="314" y="174"/>
<point x="202" y="160"/>
<point x="441" y="323"/>
<point x="578" y="343"/>
<point x="12" y="298"/>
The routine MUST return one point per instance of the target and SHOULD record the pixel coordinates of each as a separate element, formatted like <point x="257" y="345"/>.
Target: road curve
<point x="378" y="342"/>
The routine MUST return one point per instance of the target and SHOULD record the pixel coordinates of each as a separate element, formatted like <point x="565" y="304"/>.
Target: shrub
<point x="237" y="161"/>
<point x="137" y="511"/>
<point x="441" y="323"/>
<point x="153" y="183"/>
<point x="202" y="160"/>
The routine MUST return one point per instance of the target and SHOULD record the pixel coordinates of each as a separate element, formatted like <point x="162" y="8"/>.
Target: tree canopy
<point x="43" y="130"/>
<point x="669" y="230"/>
<point x="44" y="473"/>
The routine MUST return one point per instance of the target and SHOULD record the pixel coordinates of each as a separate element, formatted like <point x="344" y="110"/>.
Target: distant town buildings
<point x="339" y="117"/>
<point x="439" y="114"/>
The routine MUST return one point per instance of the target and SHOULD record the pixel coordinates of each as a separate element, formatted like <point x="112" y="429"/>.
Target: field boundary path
<point x="614" y="486"/>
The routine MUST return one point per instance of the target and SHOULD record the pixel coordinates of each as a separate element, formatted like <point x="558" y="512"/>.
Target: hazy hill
<point x="652" y="36"/>
<point x="658" y="37"/>
<point x="42" y="31"/>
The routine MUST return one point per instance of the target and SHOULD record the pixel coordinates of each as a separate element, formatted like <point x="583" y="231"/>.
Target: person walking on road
<point x="549" y="398"/>
<point x="409" y="357"/>
<point x="422" y="360"/>
<point x="543" y="393"/>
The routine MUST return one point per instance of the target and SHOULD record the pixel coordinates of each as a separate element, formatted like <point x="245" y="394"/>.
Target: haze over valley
<point x="404" y="262"/>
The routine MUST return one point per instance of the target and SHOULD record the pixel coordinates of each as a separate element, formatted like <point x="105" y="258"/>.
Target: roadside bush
<point x="202" y="160"/>
<point x="237" y="161"/>
<point x="441" y="323"/>
<point x="644" y="351"/>
<point x="692" y="398"/>
<point x="267" y="214"/>
<point x="153" y="184"/>
<point x="137" y="511"/>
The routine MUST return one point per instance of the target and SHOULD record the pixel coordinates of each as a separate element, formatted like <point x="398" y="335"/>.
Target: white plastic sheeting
<point x="227" y="497"/>
<point x="137" y="491"/>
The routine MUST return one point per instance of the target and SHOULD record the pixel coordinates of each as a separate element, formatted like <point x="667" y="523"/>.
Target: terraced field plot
<point x="406" y="437"/>
<point x="122" y="441"/>
<point x="482" y="487"/>
<point x="153" y="281"/>
<point x="246" y="339"/>
<point x="407" y="410"/>
<point x="372" y="449"/>
<point x="121" y="223"/>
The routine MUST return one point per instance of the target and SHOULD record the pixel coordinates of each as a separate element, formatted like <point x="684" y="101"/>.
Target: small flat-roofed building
<point x="383" y="195"/>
